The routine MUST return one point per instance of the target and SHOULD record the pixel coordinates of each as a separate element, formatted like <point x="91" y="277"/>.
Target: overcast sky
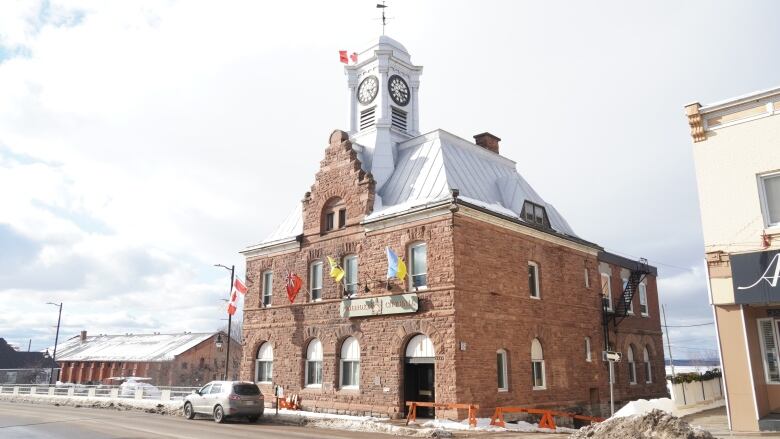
<point x="143" y="142"/>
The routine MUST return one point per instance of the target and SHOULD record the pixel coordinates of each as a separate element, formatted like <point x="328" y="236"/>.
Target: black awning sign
<point x="756" y="277"/>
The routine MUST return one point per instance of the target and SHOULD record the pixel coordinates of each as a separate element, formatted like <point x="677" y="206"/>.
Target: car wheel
<point x="189" y="413"/>
<point x="219" y="414"/>
<point x="253" y="418"/>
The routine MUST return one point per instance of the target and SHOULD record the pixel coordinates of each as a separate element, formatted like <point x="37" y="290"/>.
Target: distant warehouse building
<point x="503" y="305"/>
<point x="185" y="359"/>
<point x="737" y="154"/>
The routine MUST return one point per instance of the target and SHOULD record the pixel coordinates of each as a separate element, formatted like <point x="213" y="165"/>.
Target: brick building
<point x="503" y="304"/>
<point x="185" y="359"/>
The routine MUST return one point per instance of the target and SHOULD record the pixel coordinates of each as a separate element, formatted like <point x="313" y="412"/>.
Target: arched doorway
<point x="419" y="374"/>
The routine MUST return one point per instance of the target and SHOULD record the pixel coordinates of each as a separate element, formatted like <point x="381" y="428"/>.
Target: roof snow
<point x="130" y="347"/>
<point x="428" y="167"/>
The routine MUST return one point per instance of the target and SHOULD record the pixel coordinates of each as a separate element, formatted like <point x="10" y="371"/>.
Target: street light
<point x="56" y="339"/>
<point x="230" y="318"/>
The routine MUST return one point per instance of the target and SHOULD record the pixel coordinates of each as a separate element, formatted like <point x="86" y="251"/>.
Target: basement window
<point x="534" y="213"/>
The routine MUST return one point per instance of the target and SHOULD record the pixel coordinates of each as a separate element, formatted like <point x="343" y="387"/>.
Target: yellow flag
<point x="401" y="269"/>
<point x="336" y="272"/>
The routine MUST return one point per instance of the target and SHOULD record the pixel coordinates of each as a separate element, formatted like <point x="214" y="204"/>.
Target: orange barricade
<point x="547" y="420"/>
<point x="444" y="406"/>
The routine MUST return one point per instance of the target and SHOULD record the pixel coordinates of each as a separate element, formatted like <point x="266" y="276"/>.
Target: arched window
<point x="314" y="364"/>
<point x="265" y="363"/>
<point x="350" y="364"/>
<point x="588" y="356"/>
<point x="420" y="346"/>
<point x="537" y="365"/>
<point x="334" y="215"/>
<point x="418" y="256"/>
<point x="315" y="280"/>
<point x="503" y="379"/>
<point x="631" y="365"/>
<point x="648" y="369"/>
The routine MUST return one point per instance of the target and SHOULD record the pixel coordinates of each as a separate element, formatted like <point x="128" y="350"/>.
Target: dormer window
<point x="334" y="215"/>
<point x="534" y="213"/>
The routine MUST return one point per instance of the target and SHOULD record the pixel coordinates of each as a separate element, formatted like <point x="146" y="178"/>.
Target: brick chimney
<point x="487" y="141"/>
<point x="83" y="336"/>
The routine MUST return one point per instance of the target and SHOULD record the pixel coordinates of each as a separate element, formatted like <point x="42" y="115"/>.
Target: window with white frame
<point x="315" y="280"/>
<point x="643" y="299"/>
<point x="264" y="365"/>
<point x="769" y="192"/>
<point x="314" y="364"/>
<point x="537" y="366"/>
<point x="767" y="332"/>
<point x="631" y="303"/>
<point x="503" y="383"/>
<point x="648" y="369"/>
<point x="606" y="290"/>
<point x="351" y="275"/>
<point x="350" y="364"/>
<point x="631" y="365"/>
<point x="588" y="356"/>
<point x="268" y="287"/>
<point x="418" y="255"/>
<point x="533" y="279"/>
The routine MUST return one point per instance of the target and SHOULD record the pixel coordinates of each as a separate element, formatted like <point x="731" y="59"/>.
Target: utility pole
<point x="230" y="316"/>
<point x="56" y="339"/>
<point x="668" y="343"/>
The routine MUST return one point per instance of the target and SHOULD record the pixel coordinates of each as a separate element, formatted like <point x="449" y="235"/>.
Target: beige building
<point x="737" y="154"/>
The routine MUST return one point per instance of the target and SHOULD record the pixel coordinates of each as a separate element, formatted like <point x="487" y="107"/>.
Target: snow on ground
<point x="483" y="424"/>
<point x="643" y="406"/>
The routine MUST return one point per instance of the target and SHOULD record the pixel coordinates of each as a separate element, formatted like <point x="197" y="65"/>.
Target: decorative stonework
<point x="696" y="122"/>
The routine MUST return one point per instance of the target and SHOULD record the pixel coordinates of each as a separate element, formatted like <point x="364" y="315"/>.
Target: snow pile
<point x="483" y="424"/>
<point x="642" y="406"/>
<point x="373" y="426"/>
<point x="656" y="424"/>
<point x="149" y="406"/>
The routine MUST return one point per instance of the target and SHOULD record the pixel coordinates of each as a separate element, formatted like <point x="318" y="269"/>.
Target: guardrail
<point x="547" y="419"/>
<point x="162" y="393"/>
<point x="472" y="408"/>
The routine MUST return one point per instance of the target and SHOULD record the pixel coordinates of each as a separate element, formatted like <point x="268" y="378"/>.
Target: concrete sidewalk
<point x="716" y="422"/>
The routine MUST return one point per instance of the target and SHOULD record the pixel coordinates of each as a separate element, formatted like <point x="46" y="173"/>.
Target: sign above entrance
<point x="377" y="306"/>
<point x="756" y="277"/>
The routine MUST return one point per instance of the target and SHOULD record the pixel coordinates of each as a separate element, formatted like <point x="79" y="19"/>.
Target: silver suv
<point x="226" y="399"/>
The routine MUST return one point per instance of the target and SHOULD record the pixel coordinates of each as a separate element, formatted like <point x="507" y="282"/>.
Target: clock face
<point x="367" y="90"/>
<point x="399" y="90"/>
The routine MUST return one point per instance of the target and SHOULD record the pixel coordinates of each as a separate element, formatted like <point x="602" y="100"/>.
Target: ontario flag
<point x="294" y="284"/>
<point x="238" y="288"/>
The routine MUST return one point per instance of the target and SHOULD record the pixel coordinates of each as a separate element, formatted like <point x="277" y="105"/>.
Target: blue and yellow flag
<point x="395" y="265"/>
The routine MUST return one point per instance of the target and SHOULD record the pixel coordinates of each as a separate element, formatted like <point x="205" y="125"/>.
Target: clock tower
<point x="383" y="104"/>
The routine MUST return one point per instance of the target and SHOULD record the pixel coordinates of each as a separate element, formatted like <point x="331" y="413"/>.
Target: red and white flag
<point x="239" y="286"/>
<point x="233" y="304"/>
<point x="353" y="57"/>
<point x="343" y="56"/>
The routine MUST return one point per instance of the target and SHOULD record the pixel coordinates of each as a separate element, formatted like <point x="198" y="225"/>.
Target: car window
<point x="216" y="388"/>
<point x="246" y="389"/>
<point x="205" y="389"/>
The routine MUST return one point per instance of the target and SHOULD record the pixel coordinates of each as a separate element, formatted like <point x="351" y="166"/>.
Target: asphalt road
<point x="42" y="421"/>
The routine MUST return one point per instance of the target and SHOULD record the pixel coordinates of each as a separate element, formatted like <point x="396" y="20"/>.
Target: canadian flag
<point x="238" y="287"/>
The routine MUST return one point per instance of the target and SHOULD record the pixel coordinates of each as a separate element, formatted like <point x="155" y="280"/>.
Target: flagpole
<point x="230" y="321"/>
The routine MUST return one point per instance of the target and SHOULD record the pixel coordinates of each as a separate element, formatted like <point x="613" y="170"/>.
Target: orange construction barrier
<point x="547" y="420"/>
<point x="292" y="402"/>
<point x="444" y="406"/>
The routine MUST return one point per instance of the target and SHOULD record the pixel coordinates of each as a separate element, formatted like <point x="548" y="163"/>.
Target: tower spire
<point x="383" y="6"/>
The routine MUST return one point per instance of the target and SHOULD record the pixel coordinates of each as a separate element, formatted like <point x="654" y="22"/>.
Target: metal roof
<point x="129" y="347"/>
<point x="428" y="167"/>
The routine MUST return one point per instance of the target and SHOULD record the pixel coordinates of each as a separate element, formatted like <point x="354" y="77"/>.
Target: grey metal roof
<point x="130" y="347"/>
<point x="428" y="167"/>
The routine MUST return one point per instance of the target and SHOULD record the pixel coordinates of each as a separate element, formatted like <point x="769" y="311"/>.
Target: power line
<point x="690" y="326"/>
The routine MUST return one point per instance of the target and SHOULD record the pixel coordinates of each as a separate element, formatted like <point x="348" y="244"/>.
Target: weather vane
<point x="383" y="6"/>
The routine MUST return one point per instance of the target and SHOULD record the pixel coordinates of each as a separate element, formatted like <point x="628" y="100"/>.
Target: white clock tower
<point x="383" y="104"/>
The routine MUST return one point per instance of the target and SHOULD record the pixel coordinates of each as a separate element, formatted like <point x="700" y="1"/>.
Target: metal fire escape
<point x="623" y="305"/>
